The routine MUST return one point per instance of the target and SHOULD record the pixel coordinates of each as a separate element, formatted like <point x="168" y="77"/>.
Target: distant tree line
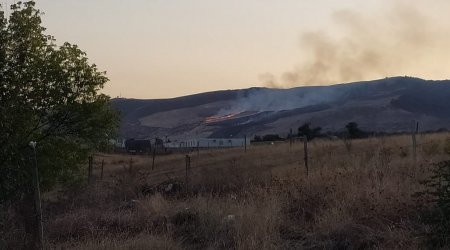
<point x="268" y="138"/>
<point x="351" y="131"/>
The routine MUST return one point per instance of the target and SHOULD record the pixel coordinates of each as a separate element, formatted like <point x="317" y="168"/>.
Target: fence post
<point x="90" y="169"/>
<point x="245" y="143"/>
<point x="37" y="200"/>
<point x="305" y="147"/>
<point x="131" y="165"/>
<point x="414" y="131"/>
<point x="290" y="139"/>
<point x="153" y="158"/>
<point x="103" y="164"/>
<point x="198" y="148"/>
<point x="188" y="166"/>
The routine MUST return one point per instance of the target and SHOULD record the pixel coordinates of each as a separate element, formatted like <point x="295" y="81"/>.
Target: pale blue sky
<point x="167" y="48"/>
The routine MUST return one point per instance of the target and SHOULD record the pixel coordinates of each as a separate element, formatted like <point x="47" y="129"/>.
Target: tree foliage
<point x="48" y="94"/>
<point x="267" y="138"/>
<point x="354" y="131"/>
<point x="437" y="193"/>
<point x="310" y="133"/>
<point x="272" y="137"/>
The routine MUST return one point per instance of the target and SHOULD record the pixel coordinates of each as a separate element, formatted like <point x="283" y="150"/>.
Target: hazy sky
<point x="168" y="48"/>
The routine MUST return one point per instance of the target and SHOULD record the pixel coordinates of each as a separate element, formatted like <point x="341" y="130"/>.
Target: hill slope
<point x="382" y="105"/>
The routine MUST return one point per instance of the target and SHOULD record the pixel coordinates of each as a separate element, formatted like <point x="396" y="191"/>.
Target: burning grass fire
<point x="218" y="118"/>
<point x="230" y="116"/>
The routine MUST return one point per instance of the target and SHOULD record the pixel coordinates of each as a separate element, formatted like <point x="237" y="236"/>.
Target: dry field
<point x="357" y="195"/>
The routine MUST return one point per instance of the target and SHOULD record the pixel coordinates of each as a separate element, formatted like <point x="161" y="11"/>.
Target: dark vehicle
<point x="134" y="146"/>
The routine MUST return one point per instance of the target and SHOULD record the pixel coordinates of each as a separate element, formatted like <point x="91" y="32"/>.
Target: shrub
<point x="431" y="149"/>
<point x="348" y="144"/>
<point x="404" y="152"/>
<point x="437" y="192"/>
<point x="272" y="137"/>
<point x="447" y="146"/>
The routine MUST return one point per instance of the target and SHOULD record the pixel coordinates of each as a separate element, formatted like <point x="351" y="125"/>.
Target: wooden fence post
<point x="103" y="164"/>
<point x="290" y="139"/>
<point x="414" y="132"/>
<point x="130" y="169"/>
<point x="198" y="148"/>
<point x="37" y="201"/>
<point x="245" y="143"/>
<point x="90" y="168"/>
<point x="153" y="158"/>
<point x="188" y="166"/>
<point x="305" y="147"/>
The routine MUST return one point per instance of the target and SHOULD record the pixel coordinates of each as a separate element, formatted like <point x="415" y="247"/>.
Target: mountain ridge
<point x="385" y="105"/>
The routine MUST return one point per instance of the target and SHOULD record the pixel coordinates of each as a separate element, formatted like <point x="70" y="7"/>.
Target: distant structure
<point x="158" y="145"/>
<point x="117" y="143"/>
<point x="208" y="143"/>
<point x="134" y="146"/>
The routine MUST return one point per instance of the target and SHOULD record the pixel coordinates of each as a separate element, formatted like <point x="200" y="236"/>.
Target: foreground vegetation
<point x="51" y="112"/>
<point x="358" y="195"/>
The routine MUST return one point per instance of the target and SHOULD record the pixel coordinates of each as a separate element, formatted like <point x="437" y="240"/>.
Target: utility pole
<point x="37" y="200"/>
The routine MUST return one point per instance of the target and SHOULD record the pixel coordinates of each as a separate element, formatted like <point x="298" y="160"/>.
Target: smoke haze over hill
<point x="262" y="99"/>
<point x="386" y="105"/>
<point x="404" y="39"/>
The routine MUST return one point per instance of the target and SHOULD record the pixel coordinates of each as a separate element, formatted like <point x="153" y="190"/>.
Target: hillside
<point x="387" y="105"/>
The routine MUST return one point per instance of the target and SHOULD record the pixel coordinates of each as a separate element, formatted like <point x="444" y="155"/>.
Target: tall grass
<point x="355" y="197"/>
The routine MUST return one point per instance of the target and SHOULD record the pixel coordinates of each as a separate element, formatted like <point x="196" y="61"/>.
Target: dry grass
<point x="356" y="196"/>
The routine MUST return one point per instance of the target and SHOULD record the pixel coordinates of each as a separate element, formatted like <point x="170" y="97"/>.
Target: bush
<point x="273" y="137"/>
<point x="447" y="146"/>
<point x="437" y="192"/>
<point x="404" y="152"/>
<point x="257" y="139"/>
<point x="267" y="138"/>
<point x="431" y="149"/>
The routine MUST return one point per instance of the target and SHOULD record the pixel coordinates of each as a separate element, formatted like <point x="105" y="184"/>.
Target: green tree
<point x="310" y="133"/>
<point x="437" y="216"/>
<point x="48" y="94"/>
<point x="353" y="130"/>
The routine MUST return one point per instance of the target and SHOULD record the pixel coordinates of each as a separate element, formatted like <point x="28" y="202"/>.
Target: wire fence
<point x="297" y="152"/>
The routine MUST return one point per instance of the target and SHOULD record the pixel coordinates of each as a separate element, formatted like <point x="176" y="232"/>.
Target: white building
<point x="209" y="143"/>
<point x="118" y="143"/>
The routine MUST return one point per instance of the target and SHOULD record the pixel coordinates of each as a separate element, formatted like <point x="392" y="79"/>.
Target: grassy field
<point x="358" y="195"/>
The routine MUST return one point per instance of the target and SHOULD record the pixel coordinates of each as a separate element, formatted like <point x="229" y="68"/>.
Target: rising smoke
<point x="405" y="39"/>
<point x="261" y="99"/>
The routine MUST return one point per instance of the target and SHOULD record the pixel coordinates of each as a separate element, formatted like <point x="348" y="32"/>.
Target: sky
<point x="169" y="48"/>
